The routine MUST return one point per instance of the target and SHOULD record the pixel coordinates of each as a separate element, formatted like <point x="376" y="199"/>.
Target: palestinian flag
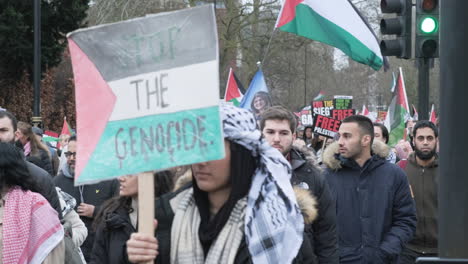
<point x="319" y="96"/>
<point x="66" y="128"/>
<point x="234" y="89"/>
<point x="432" y="115"/>
<point x="333" y="22"/>
<point x="365" y="111"/>
<point x="398" y="112"/>
<point x="415" y="114"/>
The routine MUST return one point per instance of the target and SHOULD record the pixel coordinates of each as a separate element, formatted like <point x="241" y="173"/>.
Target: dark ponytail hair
<point x="243" y="166"/>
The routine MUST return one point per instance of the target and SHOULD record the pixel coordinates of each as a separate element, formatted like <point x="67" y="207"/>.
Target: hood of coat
<point x="301" y="155"/>
<point x="307" y="203"/>
<point x="330" y="154"/>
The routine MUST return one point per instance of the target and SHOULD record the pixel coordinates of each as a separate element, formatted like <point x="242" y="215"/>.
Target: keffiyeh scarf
<point x="185" y="242"/>
<point x="29" y="214"/>
<point x="274" y="224"/>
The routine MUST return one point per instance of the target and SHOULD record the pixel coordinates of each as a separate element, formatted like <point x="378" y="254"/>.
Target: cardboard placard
<point x="326" y="126"/>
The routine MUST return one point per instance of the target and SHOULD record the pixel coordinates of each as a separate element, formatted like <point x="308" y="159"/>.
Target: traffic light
<point x="427" y="29"/>
<point x="399" y="26"/>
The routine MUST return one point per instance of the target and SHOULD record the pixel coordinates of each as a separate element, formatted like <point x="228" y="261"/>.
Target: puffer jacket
<point x="165" y="215"/>
<point x="323" y="230"/>
<point x="376" y="214"/>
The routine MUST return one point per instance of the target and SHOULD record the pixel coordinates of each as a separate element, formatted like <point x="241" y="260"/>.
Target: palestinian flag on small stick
<point x="66" y="129"/>
<point x="333" y="22"/>
<point x="234" y="89"/>
<point x="432" y="116"/>
<point x="398" y="112"/>
<point x="319" y="96"/>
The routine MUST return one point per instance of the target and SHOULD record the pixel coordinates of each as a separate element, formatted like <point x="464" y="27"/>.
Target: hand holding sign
<point x="147" y="98"/>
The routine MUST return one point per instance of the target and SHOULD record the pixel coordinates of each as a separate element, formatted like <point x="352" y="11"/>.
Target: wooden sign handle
<point x="146" y="204"/>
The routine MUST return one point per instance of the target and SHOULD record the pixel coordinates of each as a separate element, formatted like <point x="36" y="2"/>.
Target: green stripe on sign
<point x="309" y="24"/>
<point x="156" y="142"/>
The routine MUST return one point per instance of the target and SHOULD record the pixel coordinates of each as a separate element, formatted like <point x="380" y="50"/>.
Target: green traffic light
<point x="428" y="25"/>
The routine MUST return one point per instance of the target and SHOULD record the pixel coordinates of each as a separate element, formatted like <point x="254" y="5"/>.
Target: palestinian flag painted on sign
<point x="138" y="87"/>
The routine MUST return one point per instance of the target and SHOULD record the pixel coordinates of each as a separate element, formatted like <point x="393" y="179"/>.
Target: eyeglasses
<point x="69" y="154"/>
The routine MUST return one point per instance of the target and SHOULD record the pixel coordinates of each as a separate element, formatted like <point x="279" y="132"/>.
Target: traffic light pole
<point x="423" y="88"/>
<point x="453" y="180"/>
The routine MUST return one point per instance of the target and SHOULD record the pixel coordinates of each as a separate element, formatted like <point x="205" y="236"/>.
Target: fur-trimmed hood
<point x="306" y="154"/>
<point x="378" y="148"/>
<point x="307" y="203"/>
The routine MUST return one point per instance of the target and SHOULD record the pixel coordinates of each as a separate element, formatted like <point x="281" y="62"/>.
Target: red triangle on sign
<point x="94" y="104"/>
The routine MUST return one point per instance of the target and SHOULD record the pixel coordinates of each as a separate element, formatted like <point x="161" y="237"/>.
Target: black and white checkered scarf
<point x="273" y="223"/>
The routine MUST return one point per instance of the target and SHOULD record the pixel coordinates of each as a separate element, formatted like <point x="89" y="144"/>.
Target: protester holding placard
<point x="117" y="219"/>
<point x="225" y="216"/>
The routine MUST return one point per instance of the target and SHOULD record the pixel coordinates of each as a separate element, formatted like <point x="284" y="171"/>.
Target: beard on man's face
<point x="425" y="155"/>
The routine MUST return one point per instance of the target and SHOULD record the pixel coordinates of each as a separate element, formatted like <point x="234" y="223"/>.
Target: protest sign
<point x="322" y="107"/>
<point x="305" y="116"/>
<point x="343" y="102"/>
<point x="326" y="126"/>
<point x="147" y="93"/>
<point x="341" y="114"/>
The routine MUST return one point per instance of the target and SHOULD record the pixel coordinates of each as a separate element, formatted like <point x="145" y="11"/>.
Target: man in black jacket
<point x="8" y="126"/>
<point x="88" y="197"/>
<point x="278" y="126"/>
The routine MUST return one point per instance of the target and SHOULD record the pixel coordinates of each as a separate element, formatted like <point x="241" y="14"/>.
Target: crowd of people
<point x="281" y="194"/>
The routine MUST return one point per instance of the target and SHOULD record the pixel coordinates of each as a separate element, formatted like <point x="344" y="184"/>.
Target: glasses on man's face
<point x="69" y="154"/>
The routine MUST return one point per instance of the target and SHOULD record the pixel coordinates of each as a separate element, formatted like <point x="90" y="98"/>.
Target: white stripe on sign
<point x="166" y="91"/>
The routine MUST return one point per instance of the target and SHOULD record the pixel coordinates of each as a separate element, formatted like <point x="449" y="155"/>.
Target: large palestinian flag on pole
<point x="398" y="112"/>
<point x="333" y="22"/>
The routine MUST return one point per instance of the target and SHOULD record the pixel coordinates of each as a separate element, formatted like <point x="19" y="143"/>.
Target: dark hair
<point x="163" y="183"/>
<point x="13" y="169"/>
<point x="278" y="113"/>
<point x="384" y="131"/>
<point x="265" y="96"/>
<point x="9" y="115"/>
<point x="364" y="123"/>
<point x="423" y="124"/>
<point x="305" y="129"/>
<point x="243" y="166"/>
<point x="72" y="138"/>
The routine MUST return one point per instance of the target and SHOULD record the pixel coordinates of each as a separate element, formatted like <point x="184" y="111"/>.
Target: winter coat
<point x="45" y="186"/>
<point x="111" y="238"/>
<point x="94" y="194"/>
<point x="424" y="182"/>
<point x="42" y="160"/>
<point x="323" y="230"/>
<point x="376" y="214"/>
<point x="165" y="215"/>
